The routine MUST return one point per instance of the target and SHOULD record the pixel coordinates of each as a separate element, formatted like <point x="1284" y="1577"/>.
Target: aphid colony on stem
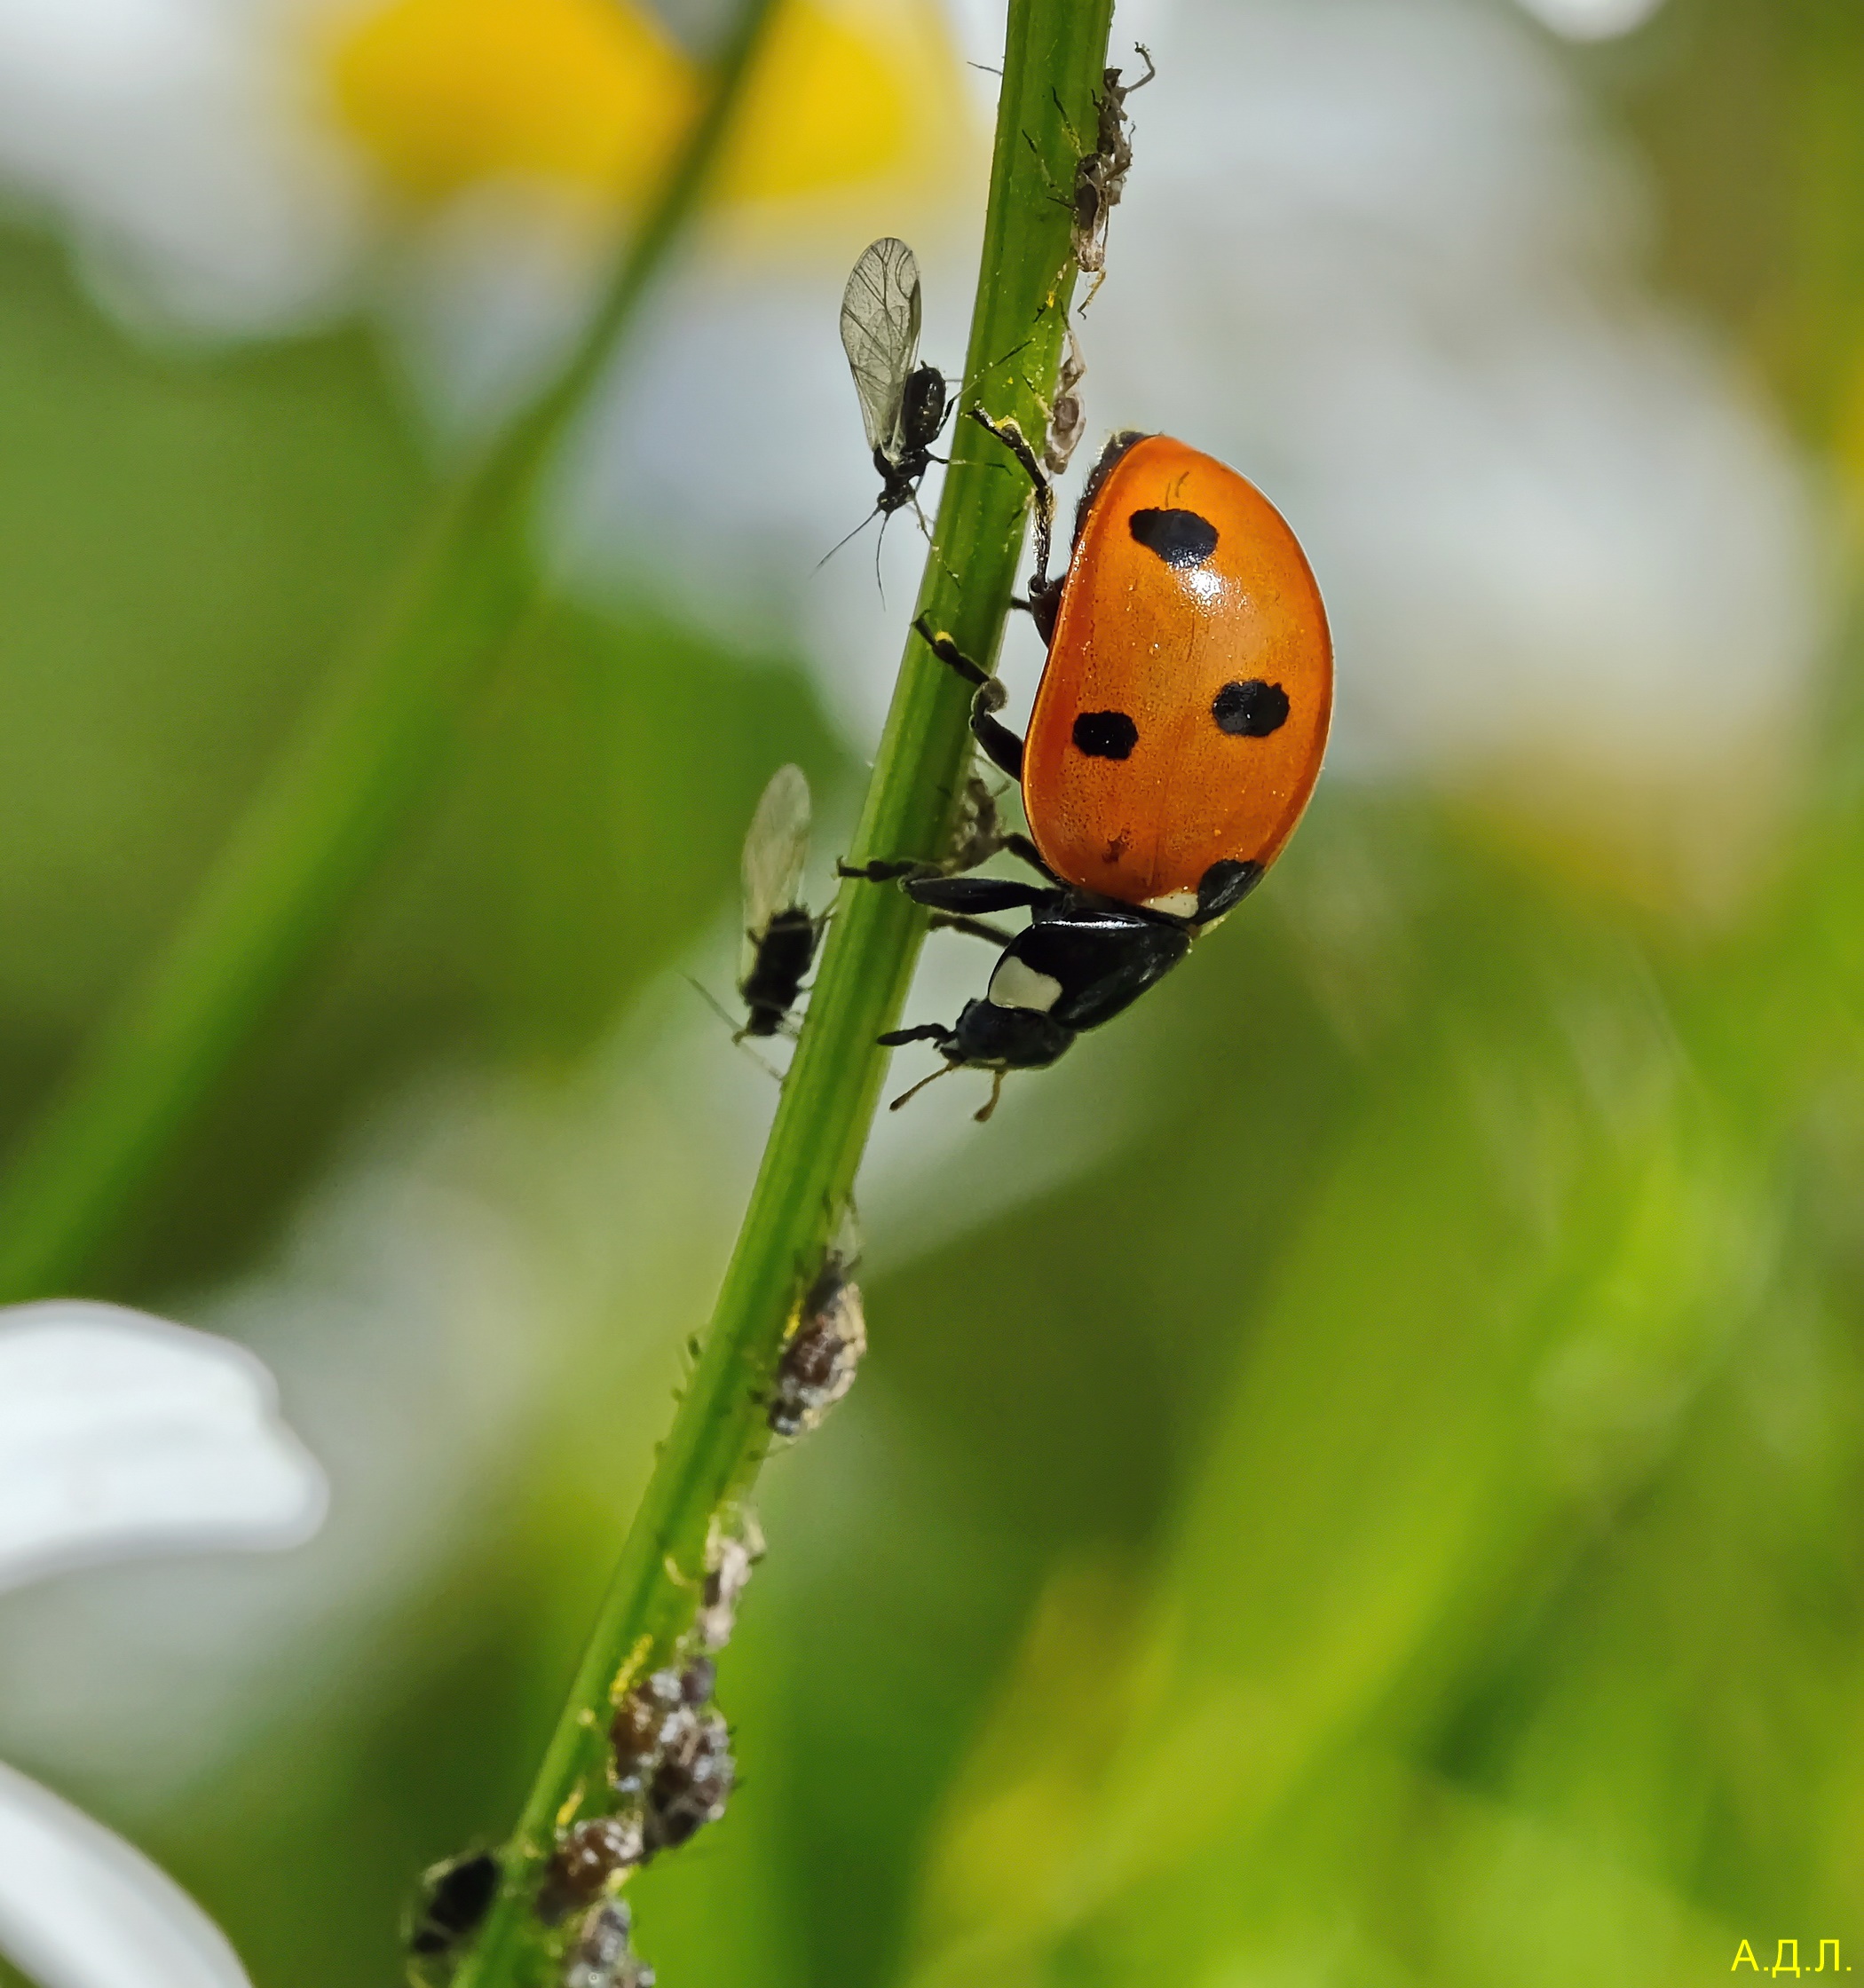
<point x="673" y="1753"/>
<point x="669" y="1772"/>
<point x="670" y="1767"/>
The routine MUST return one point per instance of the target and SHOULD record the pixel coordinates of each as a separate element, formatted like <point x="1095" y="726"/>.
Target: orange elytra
<point x="1176" y="733"/>
<point x="1183" y="713"/>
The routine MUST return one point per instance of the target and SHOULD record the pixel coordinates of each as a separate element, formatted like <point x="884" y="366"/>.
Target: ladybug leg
<point x="967" y="895"/>
<point x="980" y="836"/>
<point x="973" y="928"/>
<point x="950" y="654"/>
<point x="927" y="1031"/>
<point x="1002" y="746"/>
<point x="1025" y="851"/>
<point x="1009" y="433"/>
<point x="880" y="871"/>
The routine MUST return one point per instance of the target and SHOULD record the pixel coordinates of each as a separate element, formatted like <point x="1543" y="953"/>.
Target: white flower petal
<point x="79" y="1908"/>
<point x="1592" y="20"/>
<point x="124" y="1435"/>
<point x="180" y="142"/>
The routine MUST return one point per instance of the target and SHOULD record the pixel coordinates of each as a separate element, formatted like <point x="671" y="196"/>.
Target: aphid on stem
<point x="1067" y="417"/>
<point x="733" y="1548"/>
<point x="690" y="1785"/>
<point x="823" y="1352"/>
<point x="781" y="934"/>
<point x="903" y="405"/>
<point x="601" y="1956"/>
<point x="455" y="1896"/>
<point x="652" y="1717"/>
<point x="588" y="1855"/>
<point x="1099" y="178"/>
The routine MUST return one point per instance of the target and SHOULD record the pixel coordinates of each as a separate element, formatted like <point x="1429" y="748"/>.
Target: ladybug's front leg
<point x="980" y="836"/>
<point x="970" y="895"/>
<point x="1041" y="588"/>
<point x="1002" y="747"/>
<point x="973" y="928"/>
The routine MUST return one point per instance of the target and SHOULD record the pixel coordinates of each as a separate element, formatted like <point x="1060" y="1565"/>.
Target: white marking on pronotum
<point x="1174" y="904"/>
<point x="1014" y="985"/>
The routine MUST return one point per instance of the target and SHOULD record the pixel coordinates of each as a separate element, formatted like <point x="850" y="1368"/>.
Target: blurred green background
<point x="1381" y="1505"/>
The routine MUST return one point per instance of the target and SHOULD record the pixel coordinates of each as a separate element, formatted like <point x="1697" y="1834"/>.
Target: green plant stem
<point x="1053" y="64"/>
<point x="320" y="824"/>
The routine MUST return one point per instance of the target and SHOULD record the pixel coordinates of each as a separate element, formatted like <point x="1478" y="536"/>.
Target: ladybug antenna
<point x="907" y="1097"/>
<point x="984" y="1117"/>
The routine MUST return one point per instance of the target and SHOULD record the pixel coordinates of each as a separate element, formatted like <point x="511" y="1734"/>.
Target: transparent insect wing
<point x="776" y="850"/>
<point x="879" y="332"/>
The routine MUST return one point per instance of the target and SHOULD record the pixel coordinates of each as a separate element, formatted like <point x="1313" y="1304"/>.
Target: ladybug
<point x="1175" y="738"/>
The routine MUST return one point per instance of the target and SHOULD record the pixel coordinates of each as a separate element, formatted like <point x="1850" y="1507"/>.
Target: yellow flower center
<point x="596" y="94"/>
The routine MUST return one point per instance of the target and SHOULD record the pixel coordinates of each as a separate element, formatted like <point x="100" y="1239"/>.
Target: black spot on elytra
<point x="1180" y="538"/>
<point x="1105" y="734"/>
<point x="1251" y="710"/>
<point x="1224" y="886"/>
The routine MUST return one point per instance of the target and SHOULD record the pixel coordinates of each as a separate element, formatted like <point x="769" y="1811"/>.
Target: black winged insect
<point x="903" y="405"/>
<point x="455" y="1896"/>
<point x="780" y="932"/>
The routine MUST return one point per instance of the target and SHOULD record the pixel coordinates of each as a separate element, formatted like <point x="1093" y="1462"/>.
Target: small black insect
<point x="1100" y="177"/>
<point x="455" y="1896"/>
<point x="823" y="1352"/>
<point x="903" y="405"/>
<point x="780" y="932"/>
